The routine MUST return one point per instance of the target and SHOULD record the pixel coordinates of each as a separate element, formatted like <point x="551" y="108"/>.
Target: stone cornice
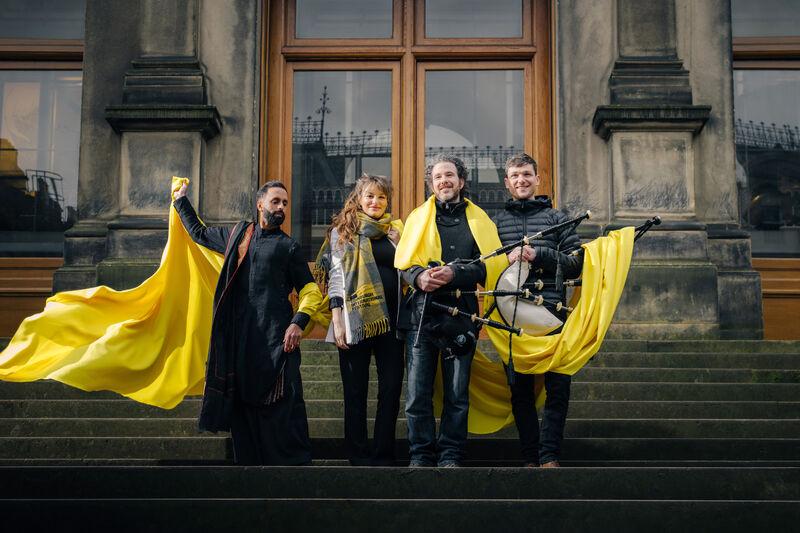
<point x="610" y="118"/>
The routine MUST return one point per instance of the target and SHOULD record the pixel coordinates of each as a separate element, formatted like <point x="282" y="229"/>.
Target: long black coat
<point x="525" y="217"/>
<point x="251" y="313"/>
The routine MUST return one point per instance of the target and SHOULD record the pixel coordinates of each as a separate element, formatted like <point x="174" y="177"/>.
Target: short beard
<point x="273" y="220"/>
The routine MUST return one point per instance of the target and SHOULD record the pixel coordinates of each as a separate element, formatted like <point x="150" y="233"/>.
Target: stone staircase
<point x="701" y="435"/>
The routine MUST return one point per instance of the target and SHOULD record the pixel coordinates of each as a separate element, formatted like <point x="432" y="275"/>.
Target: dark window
<point x="767" y="105"/>
<point x="342" y="127"/>
<point x="473" y="19"/>
<point x="343" y="19"/>
<point x="478" y="115"/>
<point x="42" y="19"/>
<point x="765" y="18"/>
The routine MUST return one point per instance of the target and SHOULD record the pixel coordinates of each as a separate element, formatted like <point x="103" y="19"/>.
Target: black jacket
<point x="251" y="313"/>
<point x="457" y="243"/>
<point x="526" y="217"/>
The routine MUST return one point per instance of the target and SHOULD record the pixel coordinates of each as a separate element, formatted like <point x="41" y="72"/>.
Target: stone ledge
<point x="610" y="118"/>
<point x="168" y="117"/>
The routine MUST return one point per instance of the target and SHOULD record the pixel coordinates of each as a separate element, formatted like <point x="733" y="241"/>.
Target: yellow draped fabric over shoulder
<point x="149" y="343"/>
<point x="489" y="395"/>
<point x="605" y="269"/>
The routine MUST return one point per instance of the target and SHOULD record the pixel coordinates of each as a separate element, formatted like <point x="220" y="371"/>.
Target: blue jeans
<point x="421" y="362"/>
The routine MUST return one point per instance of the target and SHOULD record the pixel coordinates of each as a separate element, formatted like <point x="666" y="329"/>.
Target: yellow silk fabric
<point x="606" y="262"/>
<point x="149" y="343"/>
<point x="605" y="269"/>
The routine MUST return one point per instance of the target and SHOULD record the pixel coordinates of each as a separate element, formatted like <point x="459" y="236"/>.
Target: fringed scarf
<point x="365" y="311"/>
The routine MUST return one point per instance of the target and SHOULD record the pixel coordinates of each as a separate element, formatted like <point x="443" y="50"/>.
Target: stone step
<point x="189" y="408"/>
<point x="731" y="360"/>
<point x="624" y="374"/>
<point x="624" y="345"/>
<point x="334" y="427"/>
<point x="638" y="345"/>
<point x="646" y="483"/>
<point x="218" y="448"/>
<point x="785" y="361"/>
<point x="470" y="463"/>
<point x="322" y="390"/>
<point x="401" y="516"/>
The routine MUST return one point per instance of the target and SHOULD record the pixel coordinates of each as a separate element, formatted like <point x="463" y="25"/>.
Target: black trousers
<point x="354" y="367"/>
<point x="275" y="434"/>
<point x="540" y="445"/>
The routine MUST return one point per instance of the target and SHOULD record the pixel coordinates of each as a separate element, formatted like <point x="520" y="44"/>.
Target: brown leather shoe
<point x="551" y="464"/>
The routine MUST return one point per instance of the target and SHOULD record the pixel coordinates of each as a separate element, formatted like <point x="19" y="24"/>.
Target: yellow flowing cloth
<point x="606" y="262"/>
<point x="605" y="269"/>
<point x="149" y="343"/>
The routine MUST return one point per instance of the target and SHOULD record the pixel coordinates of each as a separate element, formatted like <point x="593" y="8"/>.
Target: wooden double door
<point x="377" y="87"/>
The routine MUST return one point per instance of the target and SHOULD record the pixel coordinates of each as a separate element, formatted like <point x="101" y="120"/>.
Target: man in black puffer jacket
<point x="526" y="214"/>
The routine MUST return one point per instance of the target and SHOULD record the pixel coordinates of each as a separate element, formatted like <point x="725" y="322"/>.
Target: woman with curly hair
<point x="357" y="260"/>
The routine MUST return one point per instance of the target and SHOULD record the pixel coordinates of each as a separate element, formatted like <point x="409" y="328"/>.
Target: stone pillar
<point x="655" y="163"/>
<point x="162" y="123"/>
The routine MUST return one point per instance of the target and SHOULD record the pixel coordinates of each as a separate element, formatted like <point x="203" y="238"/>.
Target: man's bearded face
<point x="272" y="208"/>
<point x="445" y="182"/>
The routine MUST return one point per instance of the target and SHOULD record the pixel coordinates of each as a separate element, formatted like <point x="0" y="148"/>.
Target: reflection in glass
<point x="473" y="19"/>
<point x="478" y="115"/>
<point x="765" y="18"/>
<point x="39" y="139"/>
<point x="42" y="19"/>
<point x="342" y="127"/>
<point x="767" y="130"/>
<point x="344" y="19"/>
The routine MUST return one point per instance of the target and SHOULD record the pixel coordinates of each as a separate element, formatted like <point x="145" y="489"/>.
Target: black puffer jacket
<point x="525" y="217"/>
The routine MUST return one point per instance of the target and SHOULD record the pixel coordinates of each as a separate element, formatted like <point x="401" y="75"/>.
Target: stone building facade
<point x="628" y="105"/>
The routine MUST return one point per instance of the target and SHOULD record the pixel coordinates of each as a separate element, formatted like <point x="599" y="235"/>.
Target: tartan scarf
<point x="365" y="311"/>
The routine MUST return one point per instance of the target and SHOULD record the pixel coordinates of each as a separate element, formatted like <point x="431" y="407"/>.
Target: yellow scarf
<point x="605" y="269"/>
<point x="149" y="343"/>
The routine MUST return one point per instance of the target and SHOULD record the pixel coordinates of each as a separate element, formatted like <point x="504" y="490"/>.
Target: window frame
<point x="280" y="56"/>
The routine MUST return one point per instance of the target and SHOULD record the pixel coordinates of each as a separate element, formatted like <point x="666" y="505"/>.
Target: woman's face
<point x="373" y="201"/>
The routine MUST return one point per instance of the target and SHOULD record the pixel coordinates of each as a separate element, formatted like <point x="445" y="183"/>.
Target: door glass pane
<point x="765" y="18"/>
<point x="342" y="127"/>
<point x="40" y="116"/>
<point x="478" y="115"/>
<point x="42" y="19"/>
<point x="344" y="19"/>
<point x="473" y="18"/>
<point x="767" y="129"/>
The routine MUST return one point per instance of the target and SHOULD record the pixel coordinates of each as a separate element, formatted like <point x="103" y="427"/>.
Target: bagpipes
<point x="519" y="302"/>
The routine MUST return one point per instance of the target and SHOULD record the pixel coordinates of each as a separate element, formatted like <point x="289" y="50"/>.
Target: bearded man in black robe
<point x="253" y="387"/>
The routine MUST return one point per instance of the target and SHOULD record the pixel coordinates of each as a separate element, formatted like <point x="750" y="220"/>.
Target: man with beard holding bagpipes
<point x="445" y="228"/>
<point x="551" y="263"/>
<point x="253" y="386"/>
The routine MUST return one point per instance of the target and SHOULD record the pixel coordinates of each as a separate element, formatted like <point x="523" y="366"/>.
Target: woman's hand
<point x="393" y="235"/>
<point x="339" y="334"/>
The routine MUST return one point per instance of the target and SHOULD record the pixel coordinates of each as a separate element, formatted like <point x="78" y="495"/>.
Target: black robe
<point x="246" y="362"/>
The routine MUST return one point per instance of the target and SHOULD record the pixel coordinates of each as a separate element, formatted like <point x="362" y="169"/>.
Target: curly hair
<point x="346" y="221"/>
<point x="461" y="170"/>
